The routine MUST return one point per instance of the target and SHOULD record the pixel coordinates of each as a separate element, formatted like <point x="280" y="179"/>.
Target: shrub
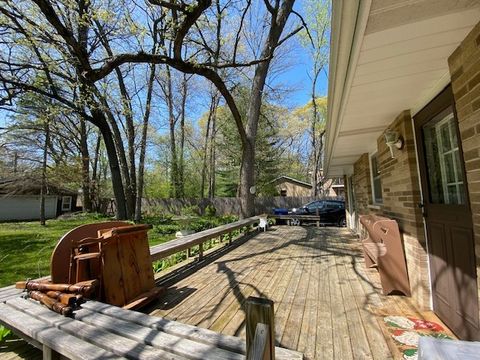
<point x="192" y="210"/>
<point x="4" y="333"/>
<point x="166" y="229"/>
<point x="210" y="210"/>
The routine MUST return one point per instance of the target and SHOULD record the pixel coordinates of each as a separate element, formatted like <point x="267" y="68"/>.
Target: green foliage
<point x="210" y="210"/>
<point x="4" y="333"/>
<point x="157" y="215"/>
<point x="166" y="229"/>
<point x="197" y="225"/>
<point x="26" y="247"/>
<point x="268" y="145"/>
<point x="192" y="210"/>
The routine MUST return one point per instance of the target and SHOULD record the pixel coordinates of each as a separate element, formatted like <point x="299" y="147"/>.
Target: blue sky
<point x="295" y="78"/>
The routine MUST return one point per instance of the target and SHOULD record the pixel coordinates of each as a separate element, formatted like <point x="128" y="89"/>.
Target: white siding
<point x="26" y="207"/>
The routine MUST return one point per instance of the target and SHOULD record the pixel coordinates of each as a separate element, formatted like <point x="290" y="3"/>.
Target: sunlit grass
<point x="26" y="247"/>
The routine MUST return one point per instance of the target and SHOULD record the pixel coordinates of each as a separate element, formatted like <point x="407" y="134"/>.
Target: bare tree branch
<point x="305" y="26"/>
<point x="280" y="42"/>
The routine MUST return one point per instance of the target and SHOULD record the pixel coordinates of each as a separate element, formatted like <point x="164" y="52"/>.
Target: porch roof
<point x="386" y="56"/>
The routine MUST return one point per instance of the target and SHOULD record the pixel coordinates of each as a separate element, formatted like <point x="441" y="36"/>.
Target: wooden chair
<point x="60" y="259"/>
<point x="119" y="257"/>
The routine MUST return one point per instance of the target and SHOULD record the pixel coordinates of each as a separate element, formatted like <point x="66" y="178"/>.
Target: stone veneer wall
<point x="464" y="66"/>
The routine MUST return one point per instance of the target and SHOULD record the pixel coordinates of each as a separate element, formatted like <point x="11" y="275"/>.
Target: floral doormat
<point x="406" y="332"/>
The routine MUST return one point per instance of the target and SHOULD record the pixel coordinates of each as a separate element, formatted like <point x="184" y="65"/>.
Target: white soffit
<point x="402" y="64"/>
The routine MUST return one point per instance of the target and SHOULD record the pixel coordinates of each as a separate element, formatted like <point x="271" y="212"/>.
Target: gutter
<point x="349" y="21"/>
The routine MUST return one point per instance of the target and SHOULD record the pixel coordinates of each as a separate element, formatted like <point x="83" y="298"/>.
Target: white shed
<point x="20" y="200"/>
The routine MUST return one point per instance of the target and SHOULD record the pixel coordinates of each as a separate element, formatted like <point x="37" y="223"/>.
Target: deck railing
<point x="260" y="329"/>
<point x="172" y="247"/>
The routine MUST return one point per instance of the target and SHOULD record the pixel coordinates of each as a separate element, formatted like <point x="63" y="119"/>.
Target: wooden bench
<point x="382" y="248"/>
<point x="99" y="330"/>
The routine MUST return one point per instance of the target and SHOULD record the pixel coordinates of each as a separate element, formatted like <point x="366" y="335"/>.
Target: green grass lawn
<point x="26" y="247"/>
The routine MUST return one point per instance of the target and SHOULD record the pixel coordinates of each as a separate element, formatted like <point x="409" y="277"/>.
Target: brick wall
<point x="362" y="184"/>
<point x="464" y="66"/>
<point x="401" y="195"/>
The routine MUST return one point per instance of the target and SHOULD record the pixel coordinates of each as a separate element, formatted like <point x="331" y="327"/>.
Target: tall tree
<point x="315" y="38"/>
<point x="184" y="17"/>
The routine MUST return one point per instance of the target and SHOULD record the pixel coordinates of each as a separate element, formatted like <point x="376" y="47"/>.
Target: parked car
<point x="330" y="211"/>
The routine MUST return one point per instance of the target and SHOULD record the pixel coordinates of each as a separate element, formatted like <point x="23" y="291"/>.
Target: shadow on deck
<point x="327" y="305"/>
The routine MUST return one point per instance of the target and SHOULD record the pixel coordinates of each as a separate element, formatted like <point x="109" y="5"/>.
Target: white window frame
<point x="66" y="200"/>
<point x="376" y="200"/>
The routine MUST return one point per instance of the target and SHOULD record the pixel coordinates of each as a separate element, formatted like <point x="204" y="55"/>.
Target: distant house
<point x="20" y="200"/>
<point x="288" y="186"/>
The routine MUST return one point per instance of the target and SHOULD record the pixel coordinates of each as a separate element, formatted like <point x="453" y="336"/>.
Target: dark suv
<point x="330" y="211"/>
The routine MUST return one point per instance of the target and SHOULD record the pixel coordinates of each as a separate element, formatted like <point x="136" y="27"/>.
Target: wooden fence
<point x="226" y="205"/>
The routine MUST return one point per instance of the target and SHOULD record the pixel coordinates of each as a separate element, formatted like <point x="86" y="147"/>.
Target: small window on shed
<point x="283" y="192"/>
<point x="66" y="203"/>
<point x="376" y="180"/>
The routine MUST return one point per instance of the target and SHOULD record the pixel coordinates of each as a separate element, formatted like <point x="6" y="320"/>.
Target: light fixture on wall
<point x="393" y="139"/>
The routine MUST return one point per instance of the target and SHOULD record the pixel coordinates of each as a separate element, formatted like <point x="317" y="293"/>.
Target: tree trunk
<point x="86" y="197"/>
<point x="211" y="182"/>
<point x="313" y="130"/>
<point x="206" y="148"/>
<point x="174" y="191"/>
<point x="117" y="185"/>
<point x="43" y="188"/>
<point x="181" y="169"/>
<point x="121" y="156"/>
<point x="247" y="172"/>
<point x="247" y="181"/>
<point x="143" y="145"/>
<point x="94" y="190"/>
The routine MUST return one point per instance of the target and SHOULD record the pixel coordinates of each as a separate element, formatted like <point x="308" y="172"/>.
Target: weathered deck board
<point x="327" y="305"/>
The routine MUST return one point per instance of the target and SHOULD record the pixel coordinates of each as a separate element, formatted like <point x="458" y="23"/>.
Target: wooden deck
<point x="327" y="305"/>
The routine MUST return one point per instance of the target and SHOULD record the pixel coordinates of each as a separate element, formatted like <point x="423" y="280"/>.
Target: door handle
<point x="422" y="207"/>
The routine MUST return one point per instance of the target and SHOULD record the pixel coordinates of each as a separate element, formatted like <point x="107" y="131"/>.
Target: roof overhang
<point x="386" y="57"/>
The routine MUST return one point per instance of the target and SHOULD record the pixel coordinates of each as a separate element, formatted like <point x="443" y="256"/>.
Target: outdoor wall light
<point x="393" y="139"/>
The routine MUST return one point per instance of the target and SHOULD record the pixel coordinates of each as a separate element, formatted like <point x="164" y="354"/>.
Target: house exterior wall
<point x="293" y="189"/>
<point x="26" y="207"/>
<point x="362" y="184"/>
<point x="464" y="66"/>
<point x="401" y="194"/>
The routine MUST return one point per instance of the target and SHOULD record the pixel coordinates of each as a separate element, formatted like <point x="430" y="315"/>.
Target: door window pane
<point x="449" y="168"/>
<point x="445" y="133"/>
<point x="444" y="171"/>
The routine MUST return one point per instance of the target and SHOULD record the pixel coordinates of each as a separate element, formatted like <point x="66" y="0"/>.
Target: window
<point x="283" y="192"/>
<point x="376" y="181"/>
<point x="312" y="207"/>
<point x="443" y="160"/>
<point x="66" y="203"/>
